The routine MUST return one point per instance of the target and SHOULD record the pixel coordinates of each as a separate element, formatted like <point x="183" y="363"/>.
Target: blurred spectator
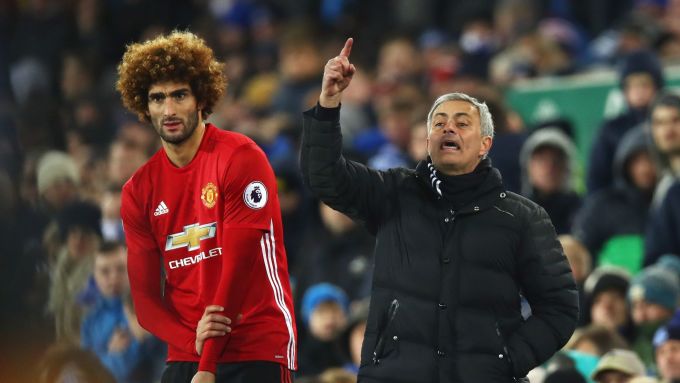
<point x="581" y="264"/>
<point x="340" y="253"/>
<point x="65" y="363"/>
<point x="667" y="346"/>
<point x="565" y="375"/>
<point x="664" y="226"/>
<point x="508" y="141"/>
<point x="665" y="132"/>
<point x="417" y="145"/>
<point x="640" y="79"/>
<point x="107" y="329"/>
<point x="300" y="67"/>
<point x="643" y="379"/>
<point x="403" y="108"/>
<point x="618" y="366"/>
<point x="58" y="181"/>
<point x="112" y="224"/>
<point x="295" y="212"/>
<point x="336" y="375"/>
<point x="565" y="366"/>
<point x="357" y="115"/>
<point x="124" y="159"/>
<point x="324" y="313"/>
<point x="353" y="334"/>
<point x="547" y="160"/>
<point x="612" y="222"/>
<point x="596" y="340"/>
<point x="79" y="229"/>
<point x="653" y="296"/>
<point x="479" y="43"/>
<point x="606" y="289"/>
<point x="578" y="256"/>
<point x="398" y="62"/>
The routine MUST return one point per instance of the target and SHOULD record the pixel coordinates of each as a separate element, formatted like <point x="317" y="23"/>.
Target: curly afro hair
<point x="178" y="57"/>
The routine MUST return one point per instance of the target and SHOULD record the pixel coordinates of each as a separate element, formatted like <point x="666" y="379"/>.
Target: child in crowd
<point x="324" y="312"/>
<point x="110" y="329"/>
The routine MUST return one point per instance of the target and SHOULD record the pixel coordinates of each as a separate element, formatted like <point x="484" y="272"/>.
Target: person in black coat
<point x="663" y="230"/>
<point x="453" y="250"/>
<point x="640" y="79"/>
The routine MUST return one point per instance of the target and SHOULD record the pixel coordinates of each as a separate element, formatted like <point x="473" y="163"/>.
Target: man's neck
<point x="181" y="154"/>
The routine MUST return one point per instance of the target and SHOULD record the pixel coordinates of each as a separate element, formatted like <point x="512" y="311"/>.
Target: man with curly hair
<point x="205" y="209"/>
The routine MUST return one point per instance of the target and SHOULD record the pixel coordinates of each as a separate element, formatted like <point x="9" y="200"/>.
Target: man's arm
<point x="344" y="185"/>
<point x="546" y="281"/>
<point x="245" y="236"/>
<point x="144" y="272"/>
<point x="240" y="248"/>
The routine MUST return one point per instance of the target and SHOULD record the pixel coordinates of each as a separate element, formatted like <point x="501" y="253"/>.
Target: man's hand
<point x="337" y="75"/>
<point x="203" y="377"/>
<point x="211" y="325"/>
<point x="120" y="341"/>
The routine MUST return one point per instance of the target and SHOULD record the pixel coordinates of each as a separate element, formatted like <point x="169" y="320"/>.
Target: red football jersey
<point x="176" y="219"/>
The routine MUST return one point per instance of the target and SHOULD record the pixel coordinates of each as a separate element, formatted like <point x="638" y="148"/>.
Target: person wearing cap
<point x="547" y="161"/>
<point x="324" y="312"/>
<point x="453" y="249"/>
<point x="618" y="366"/>
<point x="653" y="297"/>
<point x="667" y="349"/>
<point x="640" y="79"/>
<point x="58" y="180"/>
<point x="605" y="292"/>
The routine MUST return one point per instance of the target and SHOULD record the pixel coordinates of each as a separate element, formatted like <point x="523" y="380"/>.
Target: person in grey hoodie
<point x="547" y="161"/>
<point x="621" y="209"/>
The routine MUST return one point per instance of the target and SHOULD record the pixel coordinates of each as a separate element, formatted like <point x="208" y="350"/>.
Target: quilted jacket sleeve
<point x="352" y="188"/>
<point x="547" y="283"/>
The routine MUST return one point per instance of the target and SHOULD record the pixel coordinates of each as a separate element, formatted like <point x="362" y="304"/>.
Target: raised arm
<point x="344" y="185"/>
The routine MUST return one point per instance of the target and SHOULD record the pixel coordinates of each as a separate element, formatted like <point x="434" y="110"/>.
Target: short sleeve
<point x="249" y="190"/>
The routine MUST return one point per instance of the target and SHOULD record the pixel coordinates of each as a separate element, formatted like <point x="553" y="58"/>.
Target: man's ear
<point x="487" y="142"/>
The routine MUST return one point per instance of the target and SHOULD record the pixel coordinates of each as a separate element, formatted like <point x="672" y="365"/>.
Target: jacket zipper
<point x="505" y="350"/>
<point x="380" y="346"/>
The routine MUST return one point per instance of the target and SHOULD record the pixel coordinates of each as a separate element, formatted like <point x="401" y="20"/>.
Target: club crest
<point x="209" y="195"/>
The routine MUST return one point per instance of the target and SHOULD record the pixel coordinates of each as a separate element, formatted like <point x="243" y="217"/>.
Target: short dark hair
<point x="107" y="247"/>
<point x="667" y="99"/>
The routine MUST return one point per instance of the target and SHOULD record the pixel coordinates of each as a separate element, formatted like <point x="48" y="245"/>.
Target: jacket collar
<point x="489" y="191"/>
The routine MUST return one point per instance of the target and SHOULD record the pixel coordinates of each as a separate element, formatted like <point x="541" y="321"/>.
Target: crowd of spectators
<point x="67" y="146"/>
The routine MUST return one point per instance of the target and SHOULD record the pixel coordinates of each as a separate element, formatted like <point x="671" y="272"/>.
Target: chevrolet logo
<point x="191" y="237"/>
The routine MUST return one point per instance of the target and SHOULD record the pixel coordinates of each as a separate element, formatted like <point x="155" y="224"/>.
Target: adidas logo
<point x="161" y="209"/>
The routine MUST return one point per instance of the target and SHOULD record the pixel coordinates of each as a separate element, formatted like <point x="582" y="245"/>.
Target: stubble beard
<point x="190" y="126"/>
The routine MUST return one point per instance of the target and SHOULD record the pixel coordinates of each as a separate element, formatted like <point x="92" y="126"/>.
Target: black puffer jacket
<point x="445" y="305"/>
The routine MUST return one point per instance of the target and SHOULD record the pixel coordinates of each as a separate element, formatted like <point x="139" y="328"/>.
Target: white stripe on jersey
<point x="268" y="245"/>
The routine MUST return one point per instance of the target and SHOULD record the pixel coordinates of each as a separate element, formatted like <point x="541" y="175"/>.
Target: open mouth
<point x="450" y="145"/>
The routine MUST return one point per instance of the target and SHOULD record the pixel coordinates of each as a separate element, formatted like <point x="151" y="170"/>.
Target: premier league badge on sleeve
<point x="255" y="195"/>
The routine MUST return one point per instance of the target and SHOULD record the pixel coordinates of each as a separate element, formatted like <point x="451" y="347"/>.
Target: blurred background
<point x="570" y="84"/>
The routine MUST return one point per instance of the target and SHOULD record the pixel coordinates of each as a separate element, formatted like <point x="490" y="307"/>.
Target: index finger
<point x="212" y="309"/>
<point x="347" y="49"/>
